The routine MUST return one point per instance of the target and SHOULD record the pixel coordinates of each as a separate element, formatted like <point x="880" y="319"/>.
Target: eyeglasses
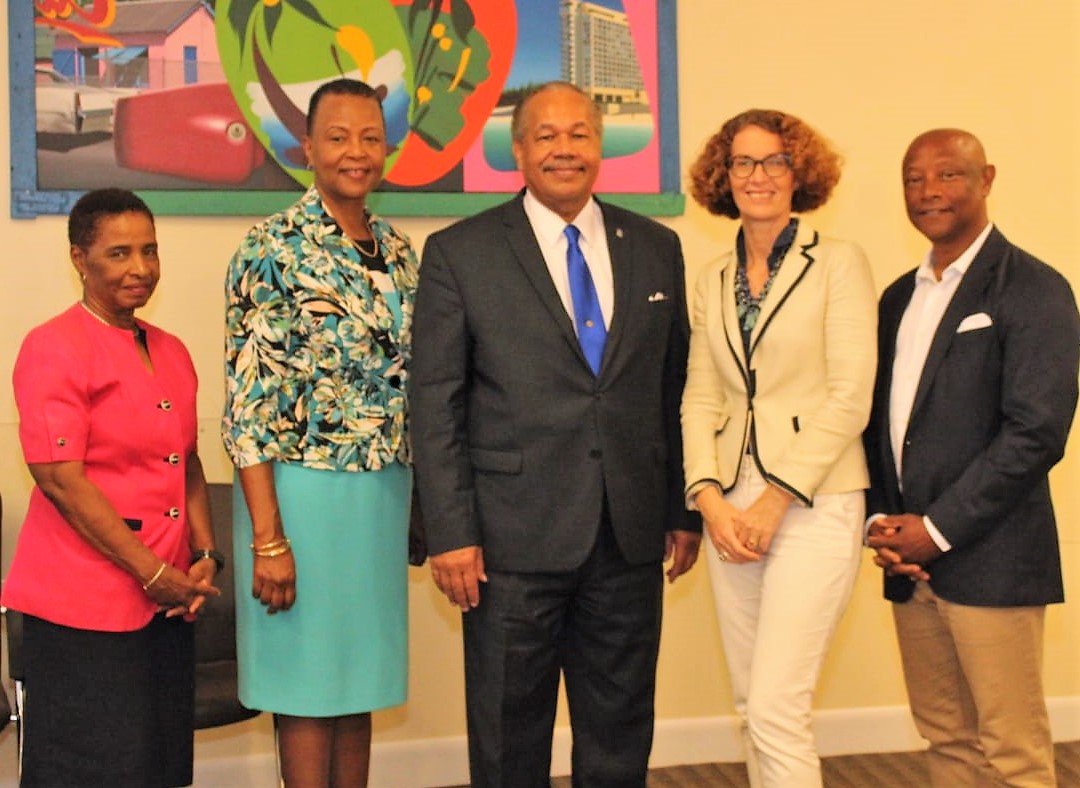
<point x="774" y="166"/>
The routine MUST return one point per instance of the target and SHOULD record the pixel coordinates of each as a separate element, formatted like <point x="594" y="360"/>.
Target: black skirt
<point x="109" y="708"/>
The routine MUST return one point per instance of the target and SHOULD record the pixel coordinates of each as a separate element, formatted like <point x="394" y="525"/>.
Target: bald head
<point x="946" y="183"/>
<point x="964" y="143"/>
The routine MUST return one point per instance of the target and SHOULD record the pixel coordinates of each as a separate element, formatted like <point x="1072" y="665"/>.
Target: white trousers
<point x="777" y="617"/>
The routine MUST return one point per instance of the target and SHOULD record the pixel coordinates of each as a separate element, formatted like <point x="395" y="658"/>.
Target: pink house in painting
<point x="164" y="44"/>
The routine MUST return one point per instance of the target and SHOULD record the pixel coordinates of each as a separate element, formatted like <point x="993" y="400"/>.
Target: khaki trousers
<point x="974" y="679"/>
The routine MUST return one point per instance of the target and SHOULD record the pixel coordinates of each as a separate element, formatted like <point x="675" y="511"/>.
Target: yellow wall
<point x="870" y="76"/>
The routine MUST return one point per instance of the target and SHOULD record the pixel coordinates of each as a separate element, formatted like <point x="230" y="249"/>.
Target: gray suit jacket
<point x="516" y="443"/>
<point x="990" y="418"/>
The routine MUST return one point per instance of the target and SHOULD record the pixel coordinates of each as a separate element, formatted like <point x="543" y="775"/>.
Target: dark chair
<point x="13" y="625"/>
<point x="5" y="705"/>
<point x="13" y="620"/>
<point x="216" y="701"/>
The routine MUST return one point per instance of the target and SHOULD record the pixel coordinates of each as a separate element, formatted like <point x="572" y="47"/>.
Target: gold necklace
<point x="135" y="329"/>
<point x="364" y="252"/>
<point x="374" y="243"/>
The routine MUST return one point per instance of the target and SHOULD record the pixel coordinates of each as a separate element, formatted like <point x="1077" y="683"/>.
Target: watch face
<point x="217" y="557"/>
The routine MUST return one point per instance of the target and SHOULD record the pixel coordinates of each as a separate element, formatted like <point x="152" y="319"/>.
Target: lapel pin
<point x="618" y="232"/>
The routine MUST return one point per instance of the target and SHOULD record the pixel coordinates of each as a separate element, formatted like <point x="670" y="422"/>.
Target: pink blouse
<point x="84" y="394"/>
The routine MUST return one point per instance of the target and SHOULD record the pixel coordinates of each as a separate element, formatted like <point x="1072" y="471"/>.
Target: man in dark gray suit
<point x="976" y="388"/>
<point x="550" y="342"/>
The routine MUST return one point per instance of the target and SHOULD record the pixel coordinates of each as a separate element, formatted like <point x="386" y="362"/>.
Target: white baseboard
<point x="444" y="761"/>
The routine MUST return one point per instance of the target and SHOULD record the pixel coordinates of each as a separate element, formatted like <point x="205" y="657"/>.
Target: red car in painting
<point x="195" y="132"/>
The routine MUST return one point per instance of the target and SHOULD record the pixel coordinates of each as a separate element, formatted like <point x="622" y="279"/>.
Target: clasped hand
<point x="180" y="594"/>
<point x="902" y="545"/>
<point x="742" y="536"/>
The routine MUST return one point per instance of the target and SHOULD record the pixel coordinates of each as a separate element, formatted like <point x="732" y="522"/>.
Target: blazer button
<point x="172" y="459"/>
<point x="165" y="405"/>
<point x="595" y="454"/>
<point x="173" y="513"/>
<point x="61" y="441"/>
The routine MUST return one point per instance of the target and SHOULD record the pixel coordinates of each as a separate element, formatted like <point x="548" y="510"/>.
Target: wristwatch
<point x="219" y="558"/>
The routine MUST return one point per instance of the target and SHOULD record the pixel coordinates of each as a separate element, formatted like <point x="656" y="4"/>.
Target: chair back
<point x="5" y="704"/>
<point x="13" y="622"/>
<point x="216" y="701"/>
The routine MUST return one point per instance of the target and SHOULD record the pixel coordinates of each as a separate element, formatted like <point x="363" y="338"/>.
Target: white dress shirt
<point x="548" y="228"/>
<point x="918" y="326"/>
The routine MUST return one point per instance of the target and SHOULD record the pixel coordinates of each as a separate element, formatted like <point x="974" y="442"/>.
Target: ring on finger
<point x="723" y="555"/>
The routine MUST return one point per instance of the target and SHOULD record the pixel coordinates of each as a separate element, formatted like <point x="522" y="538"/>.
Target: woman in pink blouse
<point x="116" y="555"/>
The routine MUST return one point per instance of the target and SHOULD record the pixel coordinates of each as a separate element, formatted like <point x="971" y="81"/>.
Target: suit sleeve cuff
<point x="695" y="488"/>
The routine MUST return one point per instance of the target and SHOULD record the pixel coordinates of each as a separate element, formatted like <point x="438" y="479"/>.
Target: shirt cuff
<point x="935" y="534"/>
<point x="867" y="524"/>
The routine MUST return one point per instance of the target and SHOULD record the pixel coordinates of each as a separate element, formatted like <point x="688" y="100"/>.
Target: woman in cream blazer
<point x="780" y="377"/>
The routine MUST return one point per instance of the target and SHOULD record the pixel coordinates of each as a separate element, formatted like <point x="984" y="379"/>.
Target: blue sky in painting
<point x="536" y="56"/>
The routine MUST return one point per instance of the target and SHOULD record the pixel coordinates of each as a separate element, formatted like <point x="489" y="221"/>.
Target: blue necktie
<point x="588" y="319"/>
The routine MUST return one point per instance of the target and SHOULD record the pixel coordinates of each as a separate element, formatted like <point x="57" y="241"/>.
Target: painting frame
<point x="29" y="201"/>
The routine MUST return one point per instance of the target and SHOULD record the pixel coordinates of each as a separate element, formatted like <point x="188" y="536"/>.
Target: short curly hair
<point x="85" y="217"/>
<point x="815" y="164"/>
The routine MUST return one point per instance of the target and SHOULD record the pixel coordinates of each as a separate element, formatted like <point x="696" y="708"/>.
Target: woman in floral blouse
<point x="320" y="300"/>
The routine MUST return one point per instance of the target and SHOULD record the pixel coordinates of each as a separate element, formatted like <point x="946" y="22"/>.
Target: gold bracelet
<point x="269" y="545"/>
<point x="272" y="549"/>
<point x="281" y="550"/>
<point x="154" y="579"/>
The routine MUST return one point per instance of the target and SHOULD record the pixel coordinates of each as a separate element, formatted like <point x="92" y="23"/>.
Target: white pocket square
<point x="659" y="295"/>
<point x="973" y="322"/>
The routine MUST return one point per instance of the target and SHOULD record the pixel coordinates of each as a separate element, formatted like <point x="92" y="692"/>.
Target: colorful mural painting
<point x="201" y="106"/>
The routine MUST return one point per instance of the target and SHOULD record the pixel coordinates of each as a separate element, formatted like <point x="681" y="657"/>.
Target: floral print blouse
<point x="317" y="343"/>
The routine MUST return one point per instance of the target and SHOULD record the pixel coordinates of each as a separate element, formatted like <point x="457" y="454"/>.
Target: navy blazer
<point x="990" y="418"/>
<point x="516" y="443"/>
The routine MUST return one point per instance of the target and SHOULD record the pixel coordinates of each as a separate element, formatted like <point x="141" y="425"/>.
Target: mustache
<point x="562" y="162"/>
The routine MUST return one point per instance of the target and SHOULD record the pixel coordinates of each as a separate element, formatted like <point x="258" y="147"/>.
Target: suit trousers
<point x="600" y="626"/>
<point x="974" y="679"/>
<point x="777" y="617"/>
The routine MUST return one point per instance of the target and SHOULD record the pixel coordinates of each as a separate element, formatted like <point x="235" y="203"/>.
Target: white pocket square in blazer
<point x="973" y="322"/>
<point x="659" y="295"/>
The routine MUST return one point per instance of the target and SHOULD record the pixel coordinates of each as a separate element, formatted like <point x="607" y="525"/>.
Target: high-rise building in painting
<point x="598" y="55"/>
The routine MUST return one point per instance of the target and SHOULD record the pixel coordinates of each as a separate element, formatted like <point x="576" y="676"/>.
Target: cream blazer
<point x="801" y="399"/>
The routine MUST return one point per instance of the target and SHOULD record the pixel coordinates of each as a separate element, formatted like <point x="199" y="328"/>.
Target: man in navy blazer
<point x="975" y="393"/>
<point x="553" y="490"/>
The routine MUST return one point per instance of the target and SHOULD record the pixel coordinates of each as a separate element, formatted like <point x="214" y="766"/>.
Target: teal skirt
<point x="343" y="647"/>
